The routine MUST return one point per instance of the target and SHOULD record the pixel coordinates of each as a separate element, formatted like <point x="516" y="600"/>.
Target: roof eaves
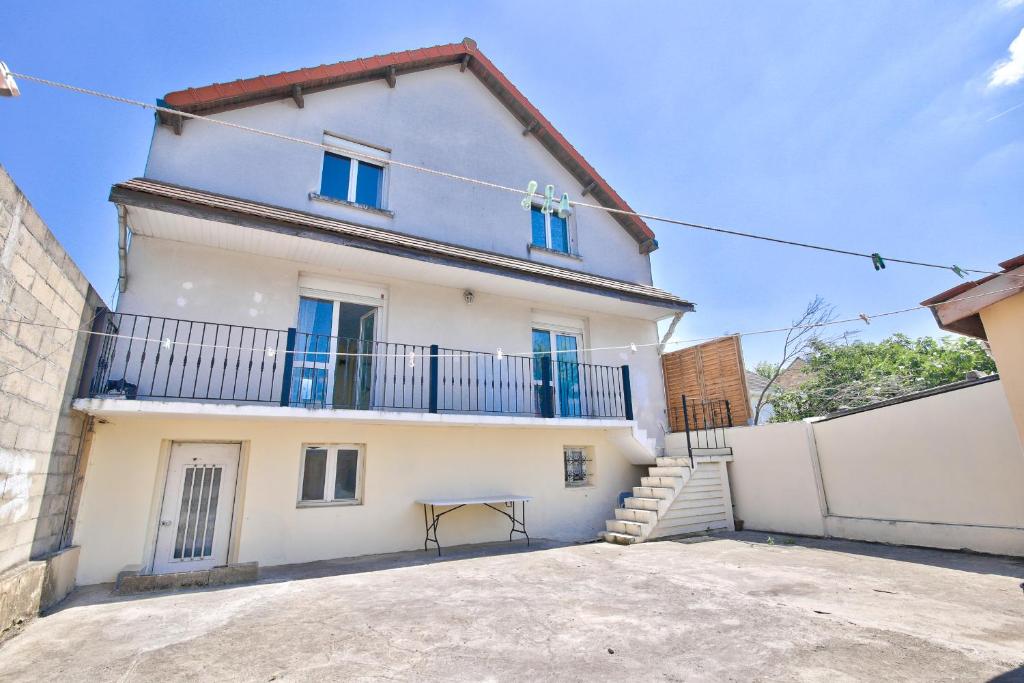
<point x="176" y="193"/>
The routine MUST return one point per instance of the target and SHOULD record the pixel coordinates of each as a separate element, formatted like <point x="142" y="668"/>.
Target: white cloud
<point x="1010" y="4"/>
<point x="1010" y="71"/>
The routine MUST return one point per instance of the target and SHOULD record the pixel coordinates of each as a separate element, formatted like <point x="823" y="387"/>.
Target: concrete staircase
<point x="675" y="498"/>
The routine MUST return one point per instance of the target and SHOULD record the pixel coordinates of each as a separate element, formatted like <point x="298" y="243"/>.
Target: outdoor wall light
<point x="468" y="296"/>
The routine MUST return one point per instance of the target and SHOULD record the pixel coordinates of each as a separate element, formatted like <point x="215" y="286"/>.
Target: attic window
<point x="352" y="180"/>
<point x="356" y="173"/>
<point x="549" y="231"/>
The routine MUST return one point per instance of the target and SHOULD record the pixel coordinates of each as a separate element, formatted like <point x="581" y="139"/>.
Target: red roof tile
<point x="241" y="93"/>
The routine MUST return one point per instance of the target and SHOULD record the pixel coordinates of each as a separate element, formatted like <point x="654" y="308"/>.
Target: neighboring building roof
<point x="135" y="193"/>
<point x="248" y="91"/>
<point x="962" y="315"/>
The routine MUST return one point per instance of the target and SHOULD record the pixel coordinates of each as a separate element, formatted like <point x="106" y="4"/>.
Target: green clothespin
<point x="877" y="261"/>
<point x="549" y="198"/>
<point x="563" y="206"/>
<point x="531" y="190"/>
<point x="959" y="271"/>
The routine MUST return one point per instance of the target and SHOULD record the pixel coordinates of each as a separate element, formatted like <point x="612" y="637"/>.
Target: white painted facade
<point x="194" y="268"/>
<point x="440" y="118"/>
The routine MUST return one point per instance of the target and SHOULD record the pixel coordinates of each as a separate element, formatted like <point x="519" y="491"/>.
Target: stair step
<point x="641" y="503"/>
<point x="673" y="461"/>
<point x="618" y="526"/>
<point x="620" y="539"/>
<point x="663" y="482"/>
<point x="664" y="493"/>
<point x="673" y="471"/>
<point x="636" y="515"/>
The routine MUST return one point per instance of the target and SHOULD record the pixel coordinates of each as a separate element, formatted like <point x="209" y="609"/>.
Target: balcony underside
<point x="111" y="408"/>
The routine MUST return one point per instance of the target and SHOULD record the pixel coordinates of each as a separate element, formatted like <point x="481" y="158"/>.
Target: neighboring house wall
<point x="439" y="118"/>
<point x="709" y="371"/>
<point x="40" y="436"/>
<point x="403" y="463"/>
<point x="942" y="471"/>
<point x="1004" y="325"/>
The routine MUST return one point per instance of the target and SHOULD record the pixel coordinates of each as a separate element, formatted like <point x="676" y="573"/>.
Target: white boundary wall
<point x="944" y="471"/>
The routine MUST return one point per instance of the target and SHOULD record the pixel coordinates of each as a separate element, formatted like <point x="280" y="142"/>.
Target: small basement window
<point x="549" y="231"/>
<point x="577" y="466"/>
<point x="331" y="474"/>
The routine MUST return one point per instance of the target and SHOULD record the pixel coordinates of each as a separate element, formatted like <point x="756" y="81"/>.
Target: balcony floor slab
<point x="105" y="408"/>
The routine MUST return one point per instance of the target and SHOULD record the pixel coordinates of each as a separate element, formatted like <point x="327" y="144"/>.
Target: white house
<point x="308" y="342"/>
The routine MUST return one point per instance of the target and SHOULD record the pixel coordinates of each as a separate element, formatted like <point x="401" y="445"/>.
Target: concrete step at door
<point x="671" y="471"/>
<point x="663" y="482"/>
<point x="620" y="539"/>
<point x="641" y="503"/>
<point x="673" y="461"/>
<point x="618" y="526"/>
<point x="636" y="515"/>
<point x="664" y="493"/>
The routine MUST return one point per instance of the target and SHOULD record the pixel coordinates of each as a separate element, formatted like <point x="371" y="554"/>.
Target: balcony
<point x="147" y="358"/>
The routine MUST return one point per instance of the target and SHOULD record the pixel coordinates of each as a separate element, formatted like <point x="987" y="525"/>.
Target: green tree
<point x="852" y="375"/>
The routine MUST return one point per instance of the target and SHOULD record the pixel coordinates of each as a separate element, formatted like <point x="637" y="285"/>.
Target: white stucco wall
<point x="942" y="471"/>
<point x="772" y="479"/>
<point x="178" y="280"/>
<point x="124" y="482"/>
<point x="440" y="118"/>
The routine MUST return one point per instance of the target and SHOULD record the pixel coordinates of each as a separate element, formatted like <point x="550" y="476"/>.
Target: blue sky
<point x="874" y="126"/>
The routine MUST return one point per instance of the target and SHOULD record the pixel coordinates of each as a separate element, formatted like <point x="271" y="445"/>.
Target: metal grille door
<point x="198" y="515"/>
<point x="195" y="517"/>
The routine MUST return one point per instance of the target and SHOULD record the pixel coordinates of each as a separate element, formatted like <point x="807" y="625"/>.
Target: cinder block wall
<point x="39" y="373"/>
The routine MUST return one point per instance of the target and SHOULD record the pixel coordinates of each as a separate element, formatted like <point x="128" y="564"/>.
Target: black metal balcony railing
<point x="149" y="357"/>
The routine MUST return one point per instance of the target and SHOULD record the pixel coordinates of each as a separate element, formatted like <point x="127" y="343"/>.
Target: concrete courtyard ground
<point x="731" y="607"/>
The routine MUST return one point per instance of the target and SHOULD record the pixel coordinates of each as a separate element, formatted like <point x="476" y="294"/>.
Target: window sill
<point x="531" y="247"/>
<point x="327" y="503"/>
<point x="578" y="487"/>
<point x="314" y="196"/>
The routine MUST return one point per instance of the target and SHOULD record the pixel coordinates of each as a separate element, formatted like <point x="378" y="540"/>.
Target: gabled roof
<point x="147" y="193"/>
<point x="963" y="315"/>
<point x="292" y="84"/>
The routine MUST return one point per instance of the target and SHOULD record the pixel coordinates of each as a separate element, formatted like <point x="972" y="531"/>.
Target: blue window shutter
<point x="334" y="179"/>
<point x="559" y="234"/>
<point x="540" y="238"/>
<point x="369" y="181"/>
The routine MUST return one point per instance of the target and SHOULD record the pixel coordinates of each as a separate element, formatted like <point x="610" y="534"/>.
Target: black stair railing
<point x="704" y="421"/>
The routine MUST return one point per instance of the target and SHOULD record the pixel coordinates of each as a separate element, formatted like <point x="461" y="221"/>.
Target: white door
<point x="195" y="522"/>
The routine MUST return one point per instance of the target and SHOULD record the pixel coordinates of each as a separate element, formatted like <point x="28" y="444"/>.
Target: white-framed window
<point x="331" y="473"/>
<point x="578" y="466"/>
<point x="549" y="231"/>
<point x="354" y="173"/>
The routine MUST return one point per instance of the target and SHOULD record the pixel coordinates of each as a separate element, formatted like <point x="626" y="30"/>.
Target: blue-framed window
<point x="352" y="180"/>
<point x="549" y="231"/>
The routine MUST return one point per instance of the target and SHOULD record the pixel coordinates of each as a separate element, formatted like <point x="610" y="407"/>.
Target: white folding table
<point x="452" y="504"/>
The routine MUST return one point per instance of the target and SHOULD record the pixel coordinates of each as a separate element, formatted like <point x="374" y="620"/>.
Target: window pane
<point x="334" y="180"/>
<point x="541" y="351"/>
<point x="559" y="233"/>
<point x="309" y="387"/>
<point x="314" y="330"/>
<point x="568" y="376"/>
<point x="314" y="474"/>
<point x="345" y="481"/>
<point x="540" y="238"/>
<point x="369" y="180"/>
